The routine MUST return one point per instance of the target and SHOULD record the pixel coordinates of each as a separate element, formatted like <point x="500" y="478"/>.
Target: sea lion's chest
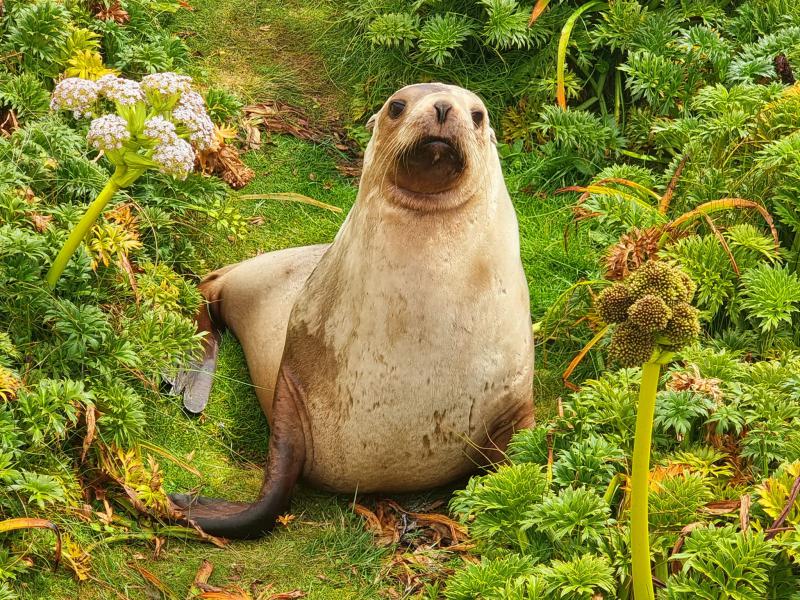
<point x="417" y="358"/>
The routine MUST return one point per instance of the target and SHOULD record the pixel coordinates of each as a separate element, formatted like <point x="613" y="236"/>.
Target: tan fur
<point x="410" y="335"/>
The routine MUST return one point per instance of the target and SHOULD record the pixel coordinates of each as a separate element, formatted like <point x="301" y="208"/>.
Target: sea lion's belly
<point x="417" y="405"/>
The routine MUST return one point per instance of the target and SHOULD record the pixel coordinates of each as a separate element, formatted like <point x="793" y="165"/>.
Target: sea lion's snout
<point x="432" y="165"/>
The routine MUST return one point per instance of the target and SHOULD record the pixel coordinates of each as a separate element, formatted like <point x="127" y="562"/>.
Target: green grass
<point x="262" y="52"/>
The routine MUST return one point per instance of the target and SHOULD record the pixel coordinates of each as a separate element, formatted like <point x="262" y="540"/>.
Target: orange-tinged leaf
<point x="286" y="519"/>
<point x="232" y="593"/>
<point x="29" y="523"/>
<point x="580" y="356"/>
<point x="724" y="204"/>
<point x="537" y="11"/>
<point x="155" y="582"/>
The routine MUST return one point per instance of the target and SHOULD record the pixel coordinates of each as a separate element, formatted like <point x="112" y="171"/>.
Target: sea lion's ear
<point x="492" y="136"/>
<point x="371" y="122"/>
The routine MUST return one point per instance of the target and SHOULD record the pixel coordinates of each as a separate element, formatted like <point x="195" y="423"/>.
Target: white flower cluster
<point x="108" y="132"/>
<point x="191" y="112"/>
<point x="160" y="129"/>
<point x="75" y="94"/>
<point x="176" y="158"/>
<point x="125" y="92"/>
<point x="166" y="84"/>
<point x="158" y="93"/>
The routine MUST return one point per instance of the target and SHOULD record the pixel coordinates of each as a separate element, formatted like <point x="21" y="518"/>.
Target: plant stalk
<point x="82" y="228"/>
<point x="640" y="531"/>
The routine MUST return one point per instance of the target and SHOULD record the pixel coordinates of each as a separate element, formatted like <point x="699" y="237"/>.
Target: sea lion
<point x="399" y="357"/>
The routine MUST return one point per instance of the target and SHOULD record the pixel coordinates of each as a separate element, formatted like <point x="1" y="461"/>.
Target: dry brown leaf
<point x="8" y="122"/>
<point x="631" y="251"/>
<point x="350" y="169"/>
<point x="91" y="426"/>
<point x="722" y="507"/>
<point x="154" y="581"/>
<point x="40" y="222"/>
<point x="286" y="519"/>
<point x="287" y="595"/>
<point x="744" y="512"/>
<point x="229" y="593"/>
<point x="112" y="12"/>
<point x="224" y="160"/>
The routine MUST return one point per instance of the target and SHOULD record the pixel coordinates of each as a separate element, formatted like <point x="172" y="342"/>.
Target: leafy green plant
<point x="497" y="505"/>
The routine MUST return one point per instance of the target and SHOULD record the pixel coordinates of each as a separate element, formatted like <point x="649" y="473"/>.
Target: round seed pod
<point x="659" y="279"/>
<point x="684" y="326"/>
<point x="631" y="345"/>
<point x="613" y="302"/>
<point x="650" y="313"/>
<point x="689" y="286"/>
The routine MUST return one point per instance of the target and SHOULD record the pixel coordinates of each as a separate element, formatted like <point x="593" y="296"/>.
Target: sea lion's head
<point x="432" y="147"/>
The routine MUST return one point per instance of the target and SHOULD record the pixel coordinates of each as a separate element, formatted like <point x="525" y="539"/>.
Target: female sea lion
<point x="399" y="357"/>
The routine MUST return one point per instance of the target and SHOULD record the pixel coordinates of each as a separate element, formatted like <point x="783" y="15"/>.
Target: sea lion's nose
<point x="442" y="108"/>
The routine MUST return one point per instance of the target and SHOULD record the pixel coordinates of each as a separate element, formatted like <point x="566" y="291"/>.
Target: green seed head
<point x="658" y="279"/>
<point x="684" y="326"/>
<point x="613" y="302"/>
<point x="689" y="287"/>
<point x="631" y="345"/>
<point x="650" y="313"/>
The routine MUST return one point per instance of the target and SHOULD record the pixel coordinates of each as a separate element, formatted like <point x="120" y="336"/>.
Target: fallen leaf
<point x="40" y="222"/>
<point x="722" y="507"/>
<point x="286" y="519"/>
<point x="229" y="593"/>
<point x="30" y="523"/>
<point x="91" y="424"/>
<point x="155" y="582"/>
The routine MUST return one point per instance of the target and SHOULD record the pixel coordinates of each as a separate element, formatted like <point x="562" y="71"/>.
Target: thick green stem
<point x="640" y="532"/>
<point x="82" y="228"/>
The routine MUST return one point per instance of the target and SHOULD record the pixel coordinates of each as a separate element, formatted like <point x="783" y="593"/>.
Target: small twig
<point x="724" y="243"/>
<point x="744" y="513"/>
<point x="663" y="204"/>
<point x="777" y="526"/>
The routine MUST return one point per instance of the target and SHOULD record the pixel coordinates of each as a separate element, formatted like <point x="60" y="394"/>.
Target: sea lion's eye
<point x="396" y="108"/>
<point x="477" y="117"/>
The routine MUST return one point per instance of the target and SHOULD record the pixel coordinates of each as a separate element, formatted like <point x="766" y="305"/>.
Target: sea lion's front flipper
<point x="194" y="382"/>
<point x="287" y="454"/>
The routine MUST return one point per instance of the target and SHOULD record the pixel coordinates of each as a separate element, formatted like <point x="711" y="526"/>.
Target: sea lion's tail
<point x="287" y="454"/>
<point x="194" y="382"/>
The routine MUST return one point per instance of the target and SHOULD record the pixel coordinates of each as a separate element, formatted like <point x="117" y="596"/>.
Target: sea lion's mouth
<point x="430" y="166"/>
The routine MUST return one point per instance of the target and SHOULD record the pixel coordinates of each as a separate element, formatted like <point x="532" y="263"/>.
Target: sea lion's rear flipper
<point x="194" y="382"/>
<point x="287" y="454"/>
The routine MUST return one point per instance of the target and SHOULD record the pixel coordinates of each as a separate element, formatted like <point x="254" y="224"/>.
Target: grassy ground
<point x="266" y="50"/>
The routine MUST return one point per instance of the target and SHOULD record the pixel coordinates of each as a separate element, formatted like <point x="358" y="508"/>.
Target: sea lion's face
<point x="431" y="146"/>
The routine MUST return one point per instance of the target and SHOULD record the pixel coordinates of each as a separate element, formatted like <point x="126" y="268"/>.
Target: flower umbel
<point x="191" y="112"/>
<point x="75" y="94"/>
<point x="125" y="92"/>
<point x="108" y="133"/>
<point x="160" y="129"/>
<point x="166" y="84"/>
<point x="154" y="125"/>
<point x="175" y="158"/>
